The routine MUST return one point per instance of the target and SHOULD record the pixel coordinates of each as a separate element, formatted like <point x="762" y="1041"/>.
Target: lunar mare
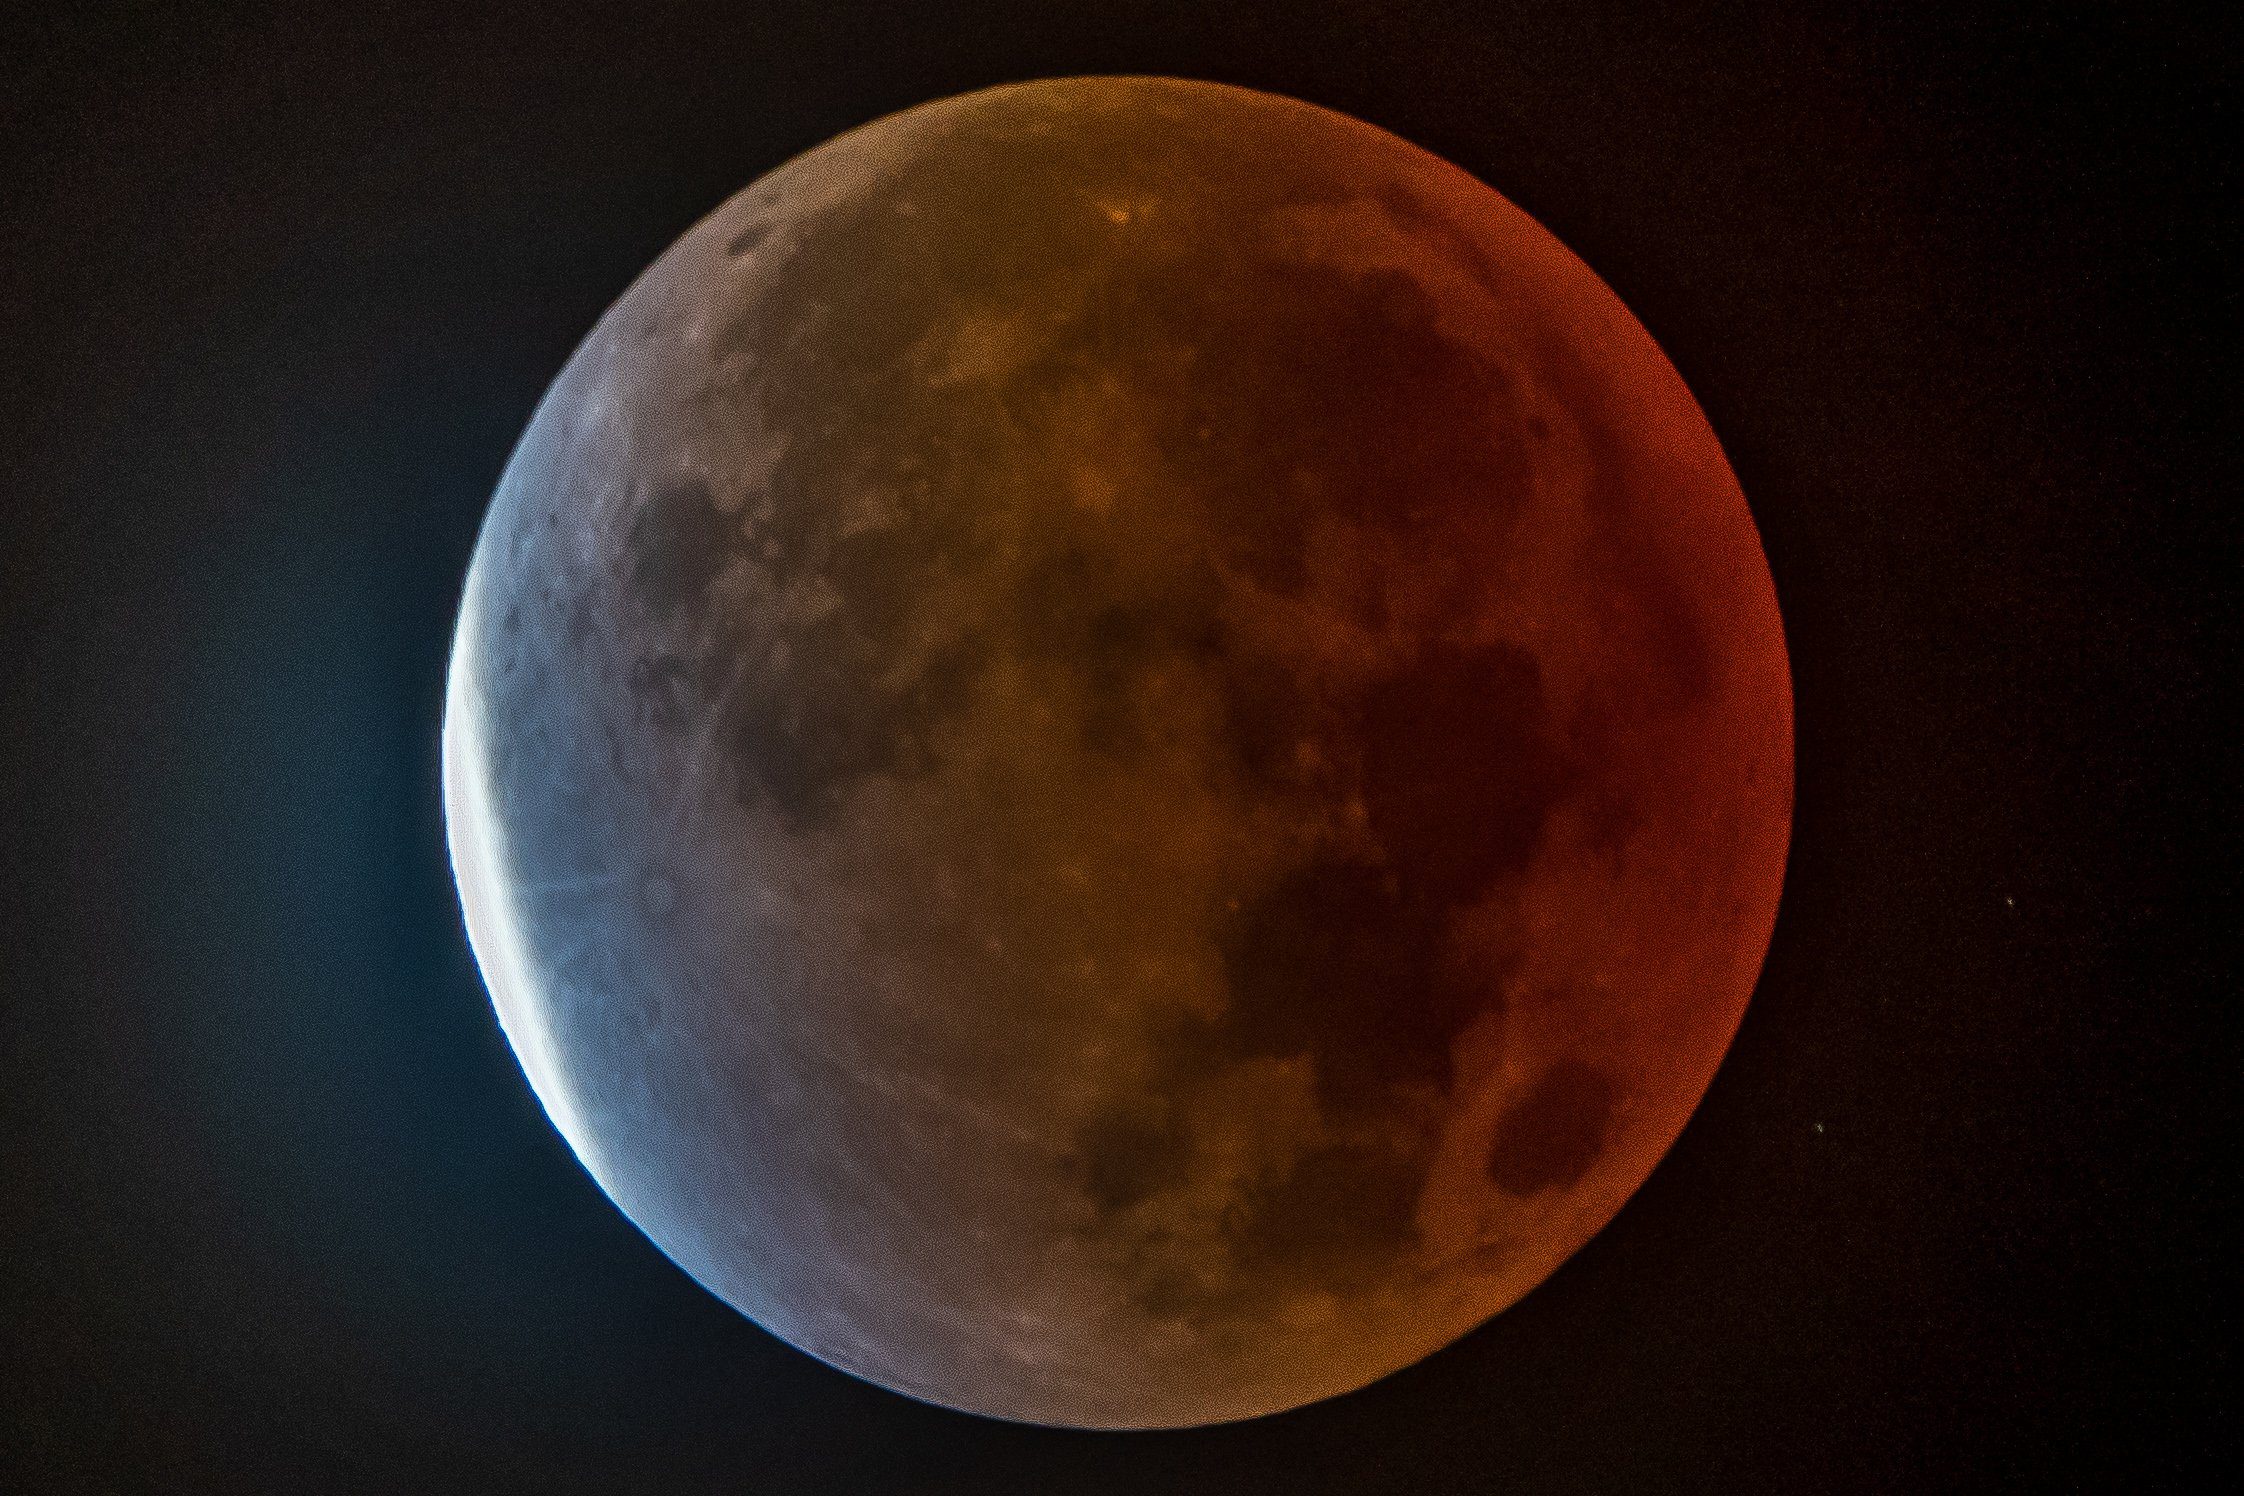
<point x="1119" y="752"/>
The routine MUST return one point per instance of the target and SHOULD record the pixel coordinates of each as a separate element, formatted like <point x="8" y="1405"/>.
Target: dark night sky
<point x="280" y="1212"/>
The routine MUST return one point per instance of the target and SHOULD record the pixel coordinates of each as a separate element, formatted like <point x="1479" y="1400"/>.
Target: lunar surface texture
<point x="1119" y="752"/>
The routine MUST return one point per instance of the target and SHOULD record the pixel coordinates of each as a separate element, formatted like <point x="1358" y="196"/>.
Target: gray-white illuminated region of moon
<point x="1119" y="752"/>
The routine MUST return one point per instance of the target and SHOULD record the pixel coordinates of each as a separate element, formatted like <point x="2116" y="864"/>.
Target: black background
<point x="281" y="1213"/>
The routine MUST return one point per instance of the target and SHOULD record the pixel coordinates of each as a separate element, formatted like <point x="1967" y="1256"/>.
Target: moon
<point x="1119" y="753"/>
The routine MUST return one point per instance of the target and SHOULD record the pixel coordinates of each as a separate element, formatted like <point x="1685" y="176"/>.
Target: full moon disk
<point x="1119" y="752"/>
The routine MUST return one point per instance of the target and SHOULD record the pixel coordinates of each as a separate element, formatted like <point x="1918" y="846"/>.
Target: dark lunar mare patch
<point x="680" y="541"/>
<point x="805" y="731"/>
<point x="1462" y="766"/>
<point x="1129" y="1155"/>
<point x="1555" y="1132"/>
<point x="1279" y="732"/>
<point x="1334" y="962"/>
<point x="1433" y="222"/>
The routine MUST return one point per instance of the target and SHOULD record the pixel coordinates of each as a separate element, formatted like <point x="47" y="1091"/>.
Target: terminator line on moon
<point x="1119" y="752"/>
